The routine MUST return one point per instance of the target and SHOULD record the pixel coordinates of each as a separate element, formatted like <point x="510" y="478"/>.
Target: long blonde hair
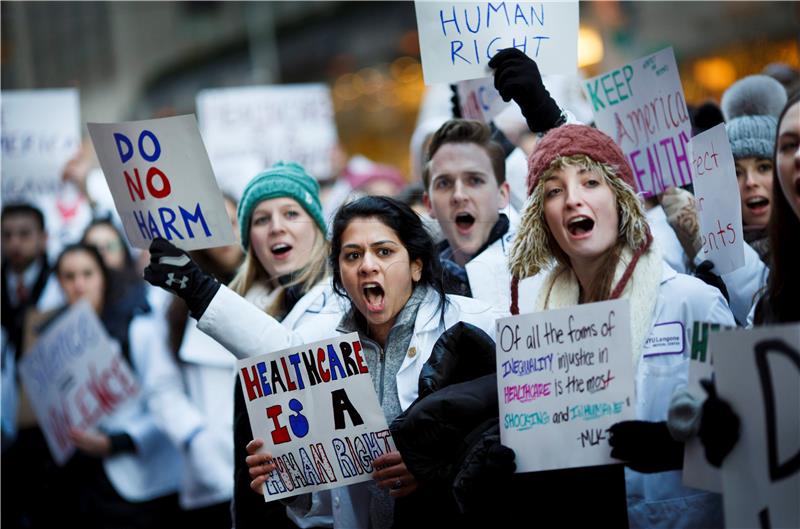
<point x="252" y="271"/>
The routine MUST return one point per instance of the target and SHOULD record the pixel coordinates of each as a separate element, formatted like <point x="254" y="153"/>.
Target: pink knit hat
<point x="531" y="250"/>
<point x="569" y="140"/>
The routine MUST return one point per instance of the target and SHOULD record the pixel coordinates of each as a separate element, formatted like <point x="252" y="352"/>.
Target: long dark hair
<point x="780" y="303"/>
<point x="409" y="229"/>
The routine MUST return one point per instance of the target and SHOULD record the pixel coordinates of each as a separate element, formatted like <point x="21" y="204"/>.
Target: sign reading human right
<point x="564" y="377"/>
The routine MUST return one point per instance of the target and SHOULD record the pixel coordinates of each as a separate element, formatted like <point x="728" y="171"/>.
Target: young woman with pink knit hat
<point x="584" y="228"/>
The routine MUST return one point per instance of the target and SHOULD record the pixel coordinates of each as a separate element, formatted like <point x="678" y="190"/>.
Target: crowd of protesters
<point x="421" y="271"/>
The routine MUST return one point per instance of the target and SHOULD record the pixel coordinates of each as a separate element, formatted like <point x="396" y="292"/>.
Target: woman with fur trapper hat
<point x="751" y="107"/>
<point x="584" y="227"/>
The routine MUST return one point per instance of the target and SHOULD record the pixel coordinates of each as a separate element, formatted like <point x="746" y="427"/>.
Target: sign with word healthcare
<point x="563" y="378"/>
<point x="697" y="472"/>
<point x="248" y="129"/>
<point x="40" y="132"/>
<point x="642" y="107"/>
<point x="316" y="409"/>
<point x="758" y="373"/>
<point x="718" y="200"/>
<point x="457" y="39"/>
<point x="162" y="183"/>
<point x="74" y="376"/>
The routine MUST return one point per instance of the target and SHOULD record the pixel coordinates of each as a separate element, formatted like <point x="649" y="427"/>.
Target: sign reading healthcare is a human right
<point x="457" y="39"/>
<point x="642" y="107"/>
<point x="316" y="409"/>
<point x="564" y="377"/>
<point x="162" y="183"/>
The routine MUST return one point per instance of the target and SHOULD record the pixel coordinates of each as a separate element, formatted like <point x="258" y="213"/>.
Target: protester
<point x="125" y="471"/>
<point x="384" y="264"/>
<point x="585" y="226"/>
<point x="191" y="395"/>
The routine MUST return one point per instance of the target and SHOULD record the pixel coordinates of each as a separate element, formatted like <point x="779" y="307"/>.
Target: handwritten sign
<point x="697" y="472"/>
<point x="457" y="39"/>
<point x="564" y="377"/>
<point x="74" y="376"/>
<point x="159" y="174"/>
<point x="40" y="133"/>
<point x="642" y="107"/>
<point x="316" y="409"/>
<point x="759" y="375"/>
<point x="479" y="99"/>
<point x="248" y="129"/>
<point x="718" y="200"/>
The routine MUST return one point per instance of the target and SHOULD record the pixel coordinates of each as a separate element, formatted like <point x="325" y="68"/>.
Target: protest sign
<point x="479" y="99"/>
<point x="74" y="376"/>
<point x="247" y="129"/>
<point x="697" y="472"/>
<point x="563" y="378"/>
<point x="457" y="39"/>
<point x="40" y="133"/>
<point x="159" y="174"/>
<point x="758" y="373"/>
<point x="718" y="199"/>
<point x="316" y="409"/>
<point x="642" y="107"/>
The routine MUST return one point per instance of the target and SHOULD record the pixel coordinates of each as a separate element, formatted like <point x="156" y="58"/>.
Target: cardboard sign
<point x="316" y="409"/>
<point x="247" y="129"/>
<point x="758" y="373"/>
<point x="697" y="472"/>
<point x="718" y="200"/>
<point x="159" y="174"/>
<point x="564" y="377"/>
<point x="642" y="107"/>
<point x="40" y="133"/>
<point x="74" y="376"/>
<point x="479" y="99"/>
<point x="457" y="39"/>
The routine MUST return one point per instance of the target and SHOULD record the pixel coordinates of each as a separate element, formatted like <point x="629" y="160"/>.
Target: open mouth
<point x="374" y="296"/>
<point x="580" y="226"/>
<point x="464" y="221"/>
<point x="280" y="249"/>
<point x="757" y="204"/>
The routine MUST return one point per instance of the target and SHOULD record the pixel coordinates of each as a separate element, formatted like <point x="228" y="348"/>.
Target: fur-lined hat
<point x="570" y="144"/>
<point x="751" y="107"/>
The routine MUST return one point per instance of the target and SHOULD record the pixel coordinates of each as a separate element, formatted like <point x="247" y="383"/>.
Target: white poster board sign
<point x="718" y="200"/>
<point x="758" y="373"/>
<point x="697" y="472"/>
<point x="159" y="174"/>
<point x="316" y="409"/>
<point x="40" y="133"/>
<point x="564" y="377"/>
<point x="248" y="129"/>
<point x="642" y="107"/>
<point x="479" y="99"/>
<point x="457" y="39"/>
<point x="74" y="376"/>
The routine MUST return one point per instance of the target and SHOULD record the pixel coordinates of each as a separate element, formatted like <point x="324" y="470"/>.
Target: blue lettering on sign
<point x="164" y="221"/>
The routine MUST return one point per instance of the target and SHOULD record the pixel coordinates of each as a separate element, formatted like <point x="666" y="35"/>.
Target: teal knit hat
<point x="284" y="179"/>
<point x="751" y="107"/>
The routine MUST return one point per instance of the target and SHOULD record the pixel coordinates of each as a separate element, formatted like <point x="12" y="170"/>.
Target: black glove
<point x="455" y="102"/>
<point x="172" y="269"/>
<point x="719" y="426"/>
<point x="517" y="77"/>
<point x="486" y="468"/>
<point x="645" y="446"/>
<point x="703" y="272"/>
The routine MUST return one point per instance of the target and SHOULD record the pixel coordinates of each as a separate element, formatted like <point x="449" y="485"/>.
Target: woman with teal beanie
<point x="285" y="274"/>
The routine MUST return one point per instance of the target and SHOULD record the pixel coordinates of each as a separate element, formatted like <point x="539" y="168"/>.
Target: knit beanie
<point x="284" y="179"/>
<point x="531" y="251"/>
<point x="751" y="107"/>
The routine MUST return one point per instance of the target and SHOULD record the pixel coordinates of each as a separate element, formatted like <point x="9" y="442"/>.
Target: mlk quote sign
<point x="316" y="409"/>
<point x="163" y="186"/>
